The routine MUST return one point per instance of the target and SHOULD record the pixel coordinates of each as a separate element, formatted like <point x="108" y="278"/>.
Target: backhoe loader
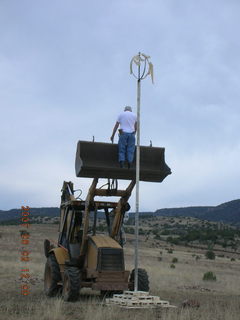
<point x="84" y="257"/>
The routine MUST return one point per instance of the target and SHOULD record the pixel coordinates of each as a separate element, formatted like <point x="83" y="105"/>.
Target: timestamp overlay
<point x="25" y="251"/>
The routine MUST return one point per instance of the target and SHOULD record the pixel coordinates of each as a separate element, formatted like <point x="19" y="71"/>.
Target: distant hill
<point x="15" y="214"/>
<point x="228" y="212"/>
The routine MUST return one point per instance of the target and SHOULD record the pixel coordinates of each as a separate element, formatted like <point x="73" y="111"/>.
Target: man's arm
<point x="135" y="126"/>
<point x="114" y="131"/>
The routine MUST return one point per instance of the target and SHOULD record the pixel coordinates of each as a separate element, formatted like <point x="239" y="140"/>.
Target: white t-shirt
<point x="127" y="121"/>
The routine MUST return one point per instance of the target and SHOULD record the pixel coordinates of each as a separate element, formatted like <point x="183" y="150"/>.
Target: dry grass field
<point x="218" y="299"/>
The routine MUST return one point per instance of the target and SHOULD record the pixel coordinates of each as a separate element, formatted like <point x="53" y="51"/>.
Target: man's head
<point x="128" y="108"/>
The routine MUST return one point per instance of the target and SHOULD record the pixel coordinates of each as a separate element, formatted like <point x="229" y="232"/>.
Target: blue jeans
<point x="126" y="147"/>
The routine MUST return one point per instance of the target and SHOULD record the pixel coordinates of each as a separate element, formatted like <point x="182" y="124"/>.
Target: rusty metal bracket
<point x="119" y="211"/>
<point x="88" y="201"/>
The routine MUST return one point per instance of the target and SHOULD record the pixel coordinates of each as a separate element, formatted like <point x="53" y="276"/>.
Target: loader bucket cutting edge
<point x="100" y="160"/>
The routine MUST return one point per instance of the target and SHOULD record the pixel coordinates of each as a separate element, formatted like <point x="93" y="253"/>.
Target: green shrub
<point x="232" y="259"/>
<point x="209" y="276"/>
<point x="165" y="232"/>
<point x="197" y="258"/>
<point x="172" y="266"/>
<point x="170" y="250"/>
<point x="174" y="260"/>
<point x="210" y="255"/>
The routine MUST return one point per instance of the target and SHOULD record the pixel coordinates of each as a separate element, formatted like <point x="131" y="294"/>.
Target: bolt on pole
<point x="141" y="74"/>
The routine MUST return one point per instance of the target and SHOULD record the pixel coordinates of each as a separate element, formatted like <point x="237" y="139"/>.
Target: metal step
<point x="100" y="160"/>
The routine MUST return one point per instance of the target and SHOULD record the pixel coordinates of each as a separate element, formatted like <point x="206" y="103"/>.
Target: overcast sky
<point x="64" y="77"/>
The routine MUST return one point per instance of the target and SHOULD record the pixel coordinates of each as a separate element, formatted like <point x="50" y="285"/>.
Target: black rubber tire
<point x="52" y="276"/>
<point x="71" y="284"/>
<point x="143" y="281"/>
<point x="47" y="247"/>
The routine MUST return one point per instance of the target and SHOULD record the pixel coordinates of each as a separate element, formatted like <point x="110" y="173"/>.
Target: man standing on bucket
<point x="126" y="143"/>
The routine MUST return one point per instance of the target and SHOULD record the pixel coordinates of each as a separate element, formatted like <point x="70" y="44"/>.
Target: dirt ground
<point x="218" y="299"/>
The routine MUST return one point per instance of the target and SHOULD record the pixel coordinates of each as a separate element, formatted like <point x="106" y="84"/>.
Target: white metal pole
<point x="137" y="179"/>
<point x="137" y="60"/>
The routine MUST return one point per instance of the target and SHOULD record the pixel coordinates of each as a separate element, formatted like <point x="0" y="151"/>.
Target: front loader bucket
<point x="100" y="160"/>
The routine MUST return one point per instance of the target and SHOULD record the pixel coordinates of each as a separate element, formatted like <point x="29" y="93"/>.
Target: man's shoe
<point x="121" y="164"/>
<point x="129" y="165"/>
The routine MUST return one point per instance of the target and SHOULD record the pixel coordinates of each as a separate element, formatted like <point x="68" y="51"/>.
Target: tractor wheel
<point x="143" y="282"/>
<point x="71" y="284"/>
<point x="47" y="247"/>
<point x="52" y="276"/>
